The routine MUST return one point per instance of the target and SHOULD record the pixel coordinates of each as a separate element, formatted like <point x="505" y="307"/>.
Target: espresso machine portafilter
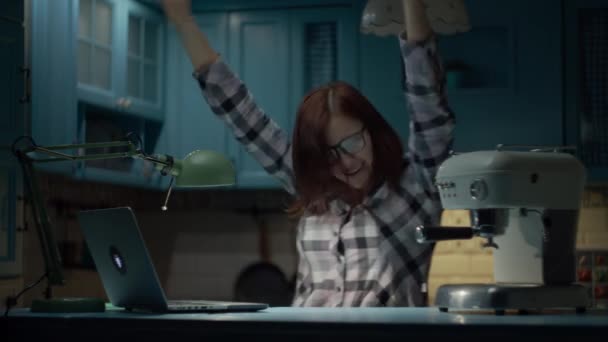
<point x="525" y="204"/>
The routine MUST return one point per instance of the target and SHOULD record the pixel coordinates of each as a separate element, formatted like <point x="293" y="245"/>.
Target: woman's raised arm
<point x="417" y="27"/>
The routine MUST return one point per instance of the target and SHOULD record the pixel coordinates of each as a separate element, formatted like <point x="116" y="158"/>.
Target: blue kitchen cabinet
<point x="190" y="124"/>
<point x="255" y="46"/>
<point x="586" y="76"/>
<point x="13" y="100"/>
<point x="258" y="52"/>
<point x="132" y="99"/>
<point x="323" y="45"/>
<point x="380" y="79"/>
<point x="76" y="53"/>
<point x="145" y="60"/>
<point x="54" y="103"/>
<point x="121" y="56"/>
<point x="511" y="90"/>
<point x="510" y="93"/>
<point x="281" y="55"/>
<point x="97" y="47"/>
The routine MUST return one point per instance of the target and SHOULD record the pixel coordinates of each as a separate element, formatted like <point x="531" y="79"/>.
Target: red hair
<point x="314" y="182"/>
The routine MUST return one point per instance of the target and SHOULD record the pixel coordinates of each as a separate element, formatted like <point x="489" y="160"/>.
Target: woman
<point x="359" y="196"/>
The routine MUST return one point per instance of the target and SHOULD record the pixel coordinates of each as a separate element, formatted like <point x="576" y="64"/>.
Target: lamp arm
<point x="164" y="162"/>
<point x="46" y="235"/>
<point x="130" y="151"/>
<point x="24" y="149"/>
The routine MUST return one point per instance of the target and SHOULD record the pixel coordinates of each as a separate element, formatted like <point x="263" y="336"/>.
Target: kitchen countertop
<point x="313" y="323"/>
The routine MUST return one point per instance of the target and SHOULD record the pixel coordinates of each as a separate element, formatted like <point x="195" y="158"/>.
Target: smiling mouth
<point x="353" y="172"/>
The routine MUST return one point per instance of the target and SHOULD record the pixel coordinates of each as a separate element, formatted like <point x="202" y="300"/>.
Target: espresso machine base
<point x="502" y="297"/>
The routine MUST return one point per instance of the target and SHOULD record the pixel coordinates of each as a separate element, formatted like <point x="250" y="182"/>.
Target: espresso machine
<point x="525" y="204"/>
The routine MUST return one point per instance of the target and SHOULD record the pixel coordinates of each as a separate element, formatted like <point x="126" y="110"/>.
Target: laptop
<point x="126" y="269"/>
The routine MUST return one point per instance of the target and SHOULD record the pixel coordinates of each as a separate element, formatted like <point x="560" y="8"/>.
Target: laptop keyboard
<point x="196" y="304"/>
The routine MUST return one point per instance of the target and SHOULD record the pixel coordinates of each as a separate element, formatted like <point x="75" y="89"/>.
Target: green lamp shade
<point x="204" y="169"/>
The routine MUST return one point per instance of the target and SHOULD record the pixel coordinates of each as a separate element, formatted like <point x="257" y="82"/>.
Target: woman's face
<point x="351" y="157"/>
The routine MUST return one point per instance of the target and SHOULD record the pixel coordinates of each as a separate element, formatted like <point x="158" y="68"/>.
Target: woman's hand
<point x="177" y="11"/>
<point x="195" y="42"/>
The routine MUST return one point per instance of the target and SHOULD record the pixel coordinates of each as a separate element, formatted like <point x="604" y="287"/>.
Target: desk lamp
<point x="199" y="169"/>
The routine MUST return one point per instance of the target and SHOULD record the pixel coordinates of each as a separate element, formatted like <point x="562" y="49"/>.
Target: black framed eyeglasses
<point x="350" y="145"/>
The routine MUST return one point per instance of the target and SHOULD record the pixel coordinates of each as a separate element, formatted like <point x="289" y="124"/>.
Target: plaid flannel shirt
<point x="366" y="255"/>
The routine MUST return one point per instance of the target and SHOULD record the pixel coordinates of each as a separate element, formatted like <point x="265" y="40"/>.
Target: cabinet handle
<point x="26" y="84"/>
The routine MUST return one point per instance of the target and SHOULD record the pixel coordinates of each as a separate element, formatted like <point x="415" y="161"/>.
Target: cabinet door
<point x="380" y="78"/>
<point x="120" y="56"/>
<point x="11" y="126"/>
<point x="97" y="61"/>
<point x="586" y="103"/>
<point x="142" y="61"/>
<point x="259" y="54"/>
<point x="512" y="90"/>
<point x="323" y="48"/>
<point x="54" y="79"/>
<point x="190" y="123"/>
